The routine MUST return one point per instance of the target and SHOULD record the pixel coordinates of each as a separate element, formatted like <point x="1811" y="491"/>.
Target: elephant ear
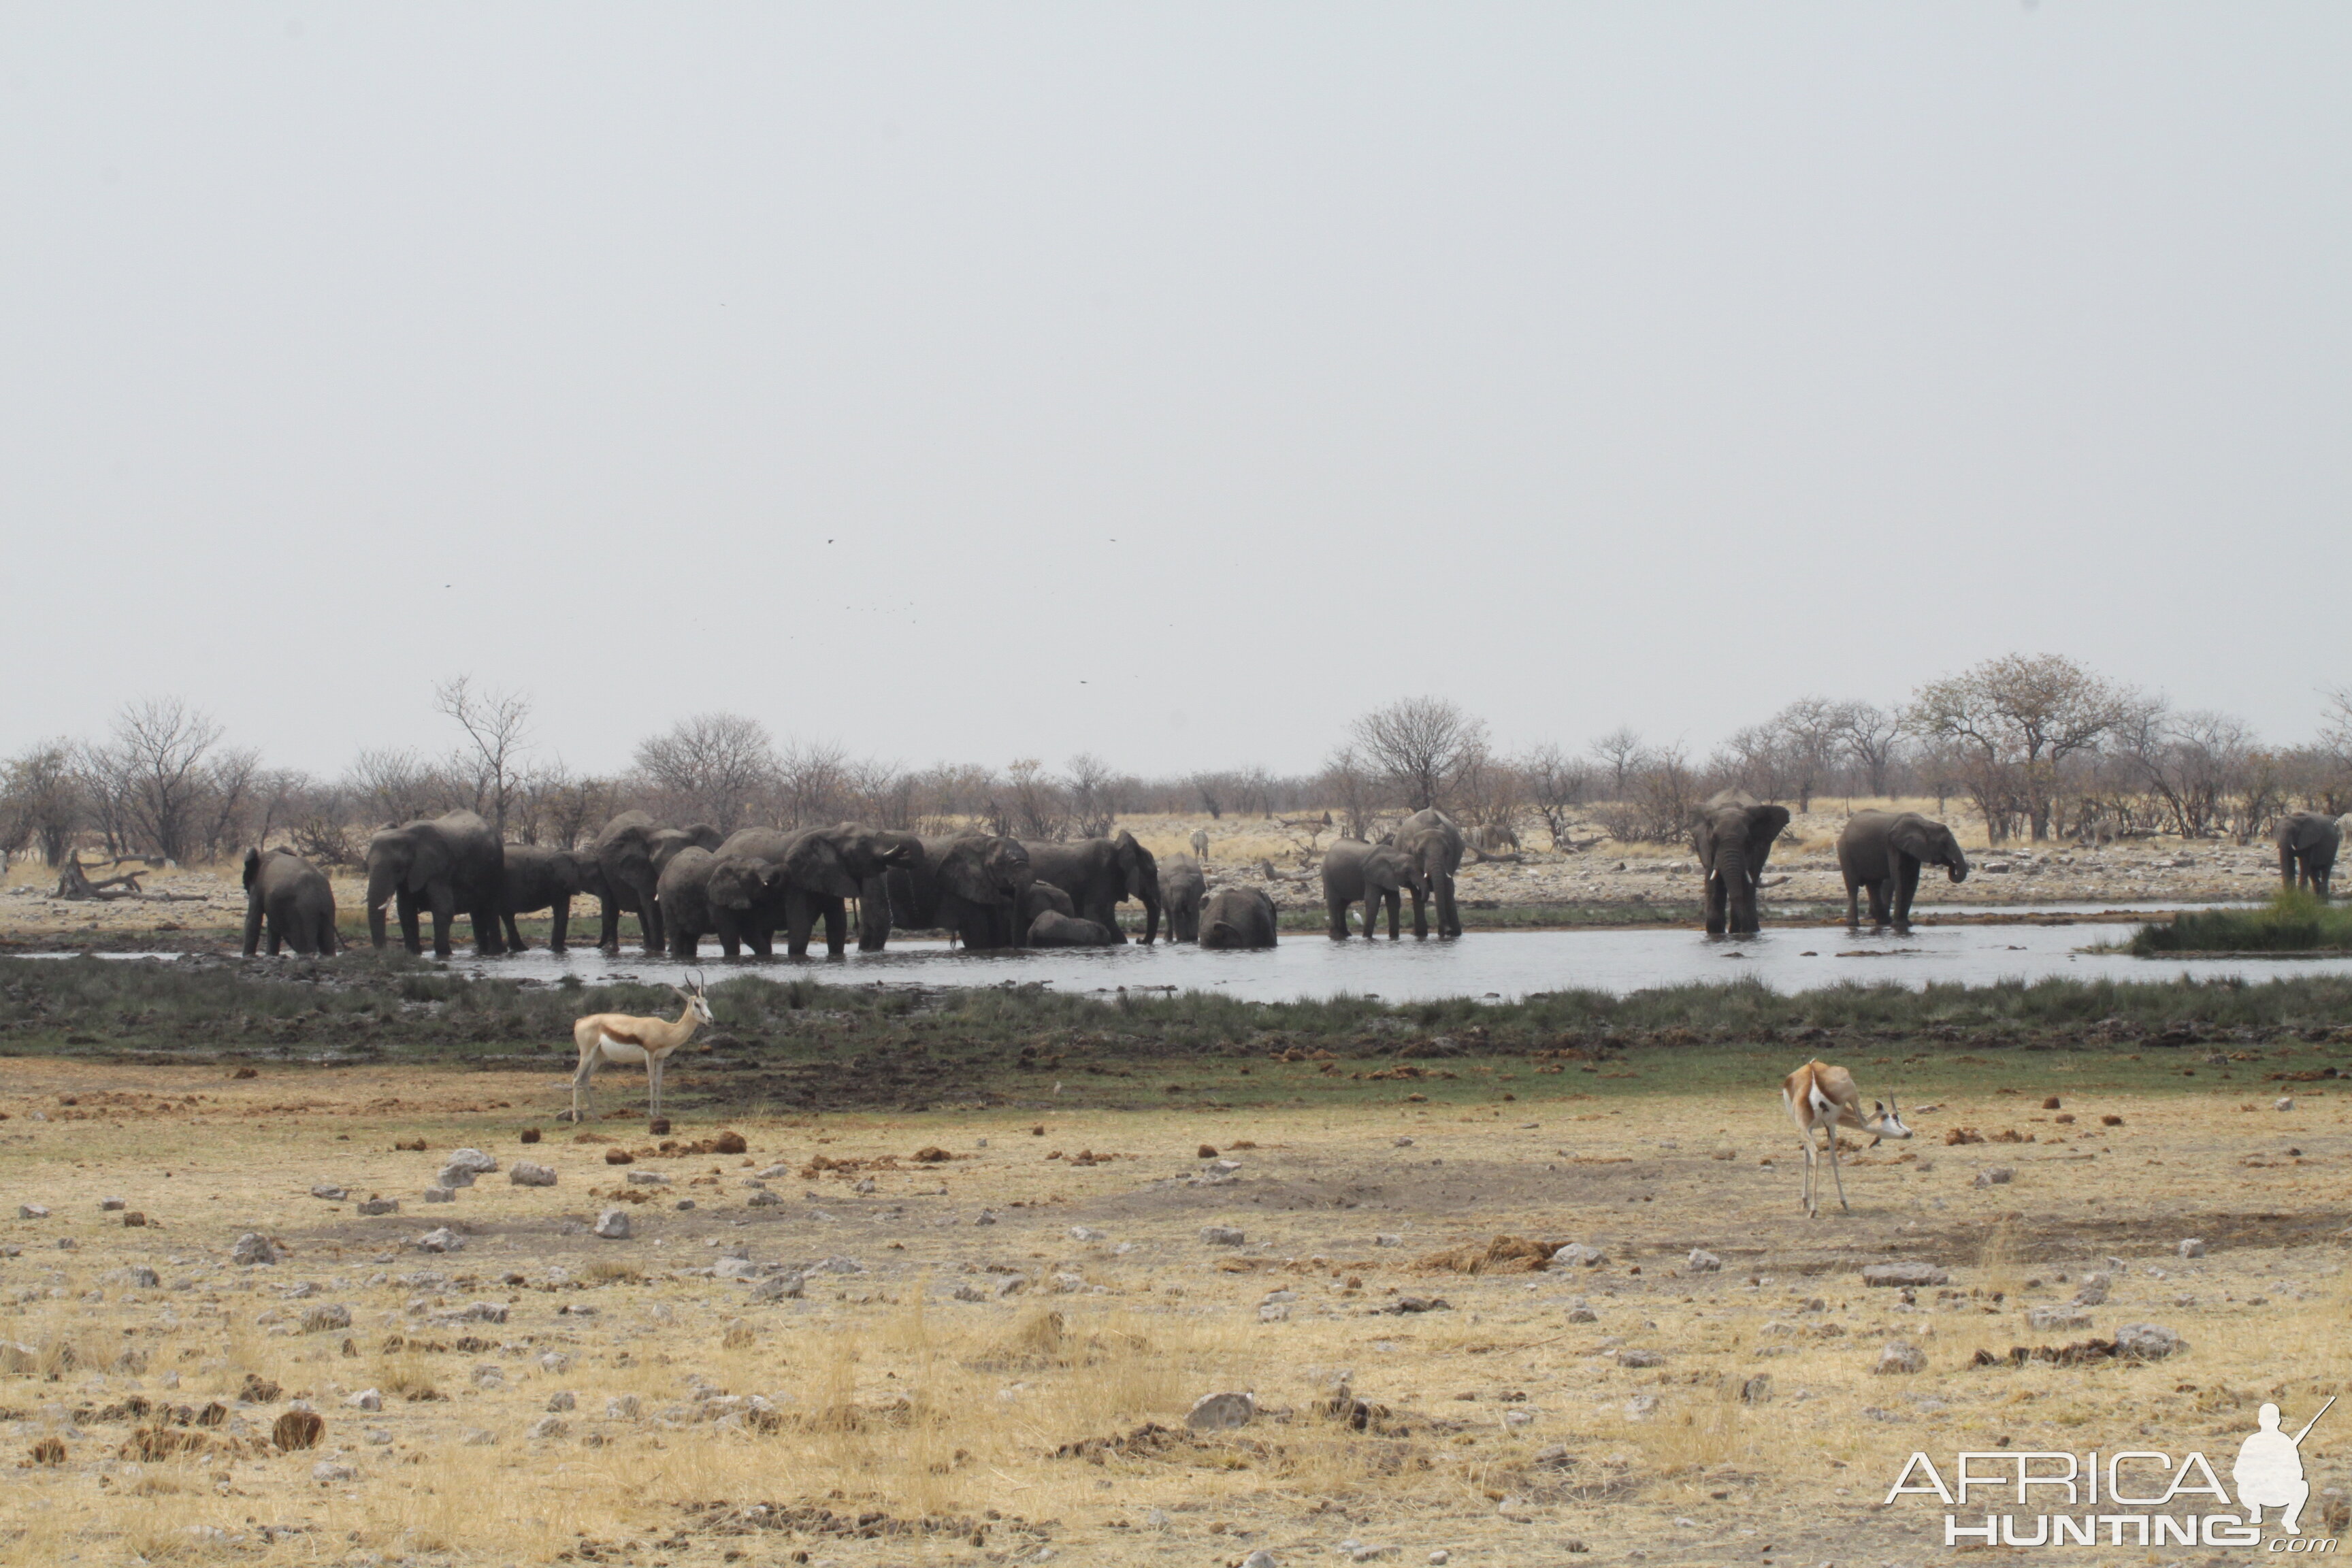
<point x="429" y="861"/>
<point x="814" y="865"/>
<point x="1910" y="833"/>
<point x="962" y="872"/>
<point x="252" y="866"/>
<point x="1765" y="824"/>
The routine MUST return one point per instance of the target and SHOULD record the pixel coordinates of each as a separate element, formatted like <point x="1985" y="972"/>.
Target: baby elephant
<point x="1054" y="929"/>
<point x="289" y="894"/>
<point x="1883" y="852"/>
<point x="1237" y="917"/>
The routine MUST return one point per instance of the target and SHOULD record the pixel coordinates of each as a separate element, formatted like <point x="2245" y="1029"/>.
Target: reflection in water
<point x="1505" y="965"/>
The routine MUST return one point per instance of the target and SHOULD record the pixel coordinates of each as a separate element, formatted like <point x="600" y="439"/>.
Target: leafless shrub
<point x="497" y="726"/>
<point x="712" y="767"/>
<point x="1419" y="744"/>
<point x="42" y="804"/>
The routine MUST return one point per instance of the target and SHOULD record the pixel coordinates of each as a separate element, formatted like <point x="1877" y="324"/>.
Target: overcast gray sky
<point x="1167" y="382"/>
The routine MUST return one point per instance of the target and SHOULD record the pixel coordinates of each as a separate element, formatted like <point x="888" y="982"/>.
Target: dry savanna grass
<point x="918" y="1407"/>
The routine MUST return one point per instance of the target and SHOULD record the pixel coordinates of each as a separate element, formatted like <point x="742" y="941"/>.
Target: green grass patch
<point x="2293" y="920"/>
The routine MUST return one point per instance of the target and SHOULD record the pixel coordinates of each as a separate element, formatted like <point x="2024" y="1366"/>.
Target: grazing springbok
<point x="622" y="1039"/>
<point x="1823" y="1097"/>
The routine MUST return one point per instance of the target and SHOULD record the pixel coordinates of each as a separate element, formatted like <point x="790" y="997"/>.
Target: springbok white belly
<point x="620" y="1052"/>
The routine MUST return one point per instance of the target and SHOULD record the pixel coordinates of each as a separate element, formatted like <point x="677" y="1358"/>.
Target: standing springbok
<point x="1823" y="1097"/>
<point x="623" y="1039"/>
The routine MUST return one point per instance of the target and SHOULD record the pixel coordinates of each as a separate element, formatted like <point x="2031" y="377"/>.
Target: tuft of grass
<point x="2294" y="921"/>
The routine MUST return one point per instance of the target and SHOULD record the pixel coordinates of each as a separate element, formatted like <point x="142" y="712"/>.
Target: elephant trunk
<point x="383" y="882"/>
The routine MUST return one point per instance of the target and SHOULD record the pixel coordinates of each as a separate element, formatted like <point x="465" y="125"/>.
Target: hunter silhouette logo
<point x="2269" y="1471"/>
<point x="2131" y="1496"/>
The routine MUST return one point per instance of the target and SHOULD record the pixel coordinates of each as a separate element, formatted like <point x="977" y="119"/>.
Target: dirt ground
<point x="208" y="899"/>
<point x="991" y="1354"/>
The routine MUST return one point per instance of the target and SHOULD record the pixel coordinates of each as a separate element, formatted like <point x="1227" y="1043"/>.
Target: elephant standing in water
<point x="1882" y="851"/>
<point x="542" y="878"/>
<point x="970" y="885"/>
<point x="2307" y="843"/>
<point x="1431" y="843"/>
<point x="1098" y="874"/>
<point x="293" y="898"/>
<point x="629" y="855"/>
<point x="1237" y="917"/>
<point x="1734" y="837"/>
<point x="767" y="877"/>
<point x="683" y="891"/>
<point x="453" y="863"/>
<point x="1374" y="875"/>
<point x="1182" y="889"/>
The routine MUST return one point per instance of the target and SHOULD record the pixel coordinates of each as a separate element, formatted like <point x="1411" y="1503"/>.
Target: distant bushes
<point x="2294" y="921"/>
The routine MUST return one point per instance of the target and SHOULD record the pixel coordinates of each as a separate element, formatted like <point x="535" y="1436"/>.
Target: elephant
<point x="1883" y="852"/>
<point x="1734" y="837"/>
<point x="1182" y="889"/>
<point x="1431" y="843"/>
<point x="1237" y="917"/>
<point x="683" y="893"/>
<point x="1098" y="874"/>
<point x="536" y="878"/>
<point x="1054" y="929"/>
<point x="630" y="853"/>
<point x="1371" y="874"/>
<point x="1042" y="897"/>
<point x="2307" y="843"/>
<point x="1494" y="837"/>
<point x="295" y="900"/>
<point x="770" y="878"/>
<point x="971" y="885"/>
<point x="453" y="863"/>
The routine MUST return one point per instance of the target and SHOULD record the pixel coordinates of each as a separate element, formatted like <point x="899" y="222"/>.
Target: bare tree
<point x="1420" y="744"/>
<point x="1756" y="758"/>
<point x="1870" y="735"/>
<point x="1348" y="783"/>
<point x="2019" y="718"/>
<point x="1619" y="751"/>
<point x="712" y="767"/>
<point x="567" y="807"/>
<point x="1808" y="731"/>
<point x="814" y="779"/>
<point x="395" y="786"/>
<point x="152" y="775"/>
<point x="882" y="794"/>
<point x="1557" y="784"/>
<point x="41" y="801"/>
<point x="1212" y="789"/>
<point x="233" y="805"/>
<point x="1253" y="789"/>
<point x="1038" y="809"/>
<point x="1090" y="787"/>
<point x="497" y="729"/>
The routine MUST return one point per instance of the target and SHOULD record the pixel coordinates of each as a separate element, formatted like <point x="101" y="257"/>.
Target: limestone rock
<point x="473" y="1160"/>
<point x="1576" y="1255"/>
<point x="613" y="1225"/>
<point x="2065" y="1317"/>
<point x="2093" y="1291"/>
<point x="1220" y="1412"/>
<point x="251" y="1249"/>
<point x="440" y="1195"/>
<point x="1222" y="1236"/>
<point x="137" y="1277"/>
<point x="547" y="1426"/>
<point x="780" y="1287"/>
<point x="332" y="1194"/>
<point x="527" y="1173"/>
<point x="379" y="1205"/>
<point x="563" y="1399"/>
<point x="366" y="1399"/>
<point x="1995" y="1176"/>
<point x="647" y="1179"/>
<point x="1885" y="1274"/>
<point x="32" y="1211"/>
<point x="326" y="1317"/>
<point x="1640" y="1358"/>
<point x="333" y="1470"/>
<point x="1087" y="1233"/>
<point x="441" y="1241"/>
<point x="1702" y="1261"/>
<point x="455" y="1176"/>
<point x="1900" y="1358"/>
<point x="2192" y="1248"/>
<point x="2149" y="1342"/>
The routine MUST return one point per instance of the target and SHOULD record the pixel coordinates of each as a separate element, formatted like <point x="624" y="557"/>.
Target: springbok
<point x="1821" y="1096"/>
<point x="624" y="1039"/>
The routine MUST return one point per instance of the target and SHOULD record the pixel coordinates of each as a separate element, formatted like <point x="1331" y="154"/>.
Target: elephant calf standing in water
<point x="1374" y="875"/>
<point x="1883" y="852"/>
<point x="2307" y="843"/>
<point x="1237" y="917"/>
<point x="293" y="898"/>
<point x="1182" y="889"/>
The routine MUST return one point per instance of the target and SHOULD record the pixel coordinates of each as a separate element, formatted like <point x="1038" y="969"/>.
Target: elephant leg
<point x="1449" y="913"/>
<point x="608" y="922"/>
<point x="277" y="938"/>
<point x="761" y="937"/>
<point x="1907" y="889"/>
<point x="252" y="927"/>
<point x="515" y="942"/>
<point x="837" y="927"/>
<point x="1852" y="904"/>
<point x="410" y="937"/>
<point x="650" y="921"/>
<point x="562" y="922"/>
<point x="1420" y="915"/>
<point x="730" y="930"/>
<point x="489" y="941"/>
<point x="330" y="940"/>
<point x="799" y="917"/>
<point x="1336" y="907"/>
<point x="445" y="921"/>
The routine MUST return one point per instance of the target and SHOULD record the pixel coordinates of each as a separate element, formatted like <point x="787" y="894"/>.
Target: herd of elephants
<point x="991" y="891"/>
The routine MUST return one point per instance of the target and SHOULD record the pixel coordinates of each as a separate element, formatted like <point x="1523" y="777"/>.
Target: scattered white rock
<point x="647" y="1179"/>
<point x="1640" y="1358"/>
<point x="379" y="1205"/>
<point x="563" y="1399"/>
<point x="1583" y="1315"/>
<point x="778" y="1288"/>
<point x="111" y="1206"/>
<point x="2192" y="1248"/>
<point x="761" y="1199"/>
<point x="441" y="1241"/>
<point x="1220" y="1412"/>
<point x="2093" y="1291"/>
<point x="32" y="1211"/>
<point x="454" y="1176"/>
<point x="528" y="1173"/>
<point x="440" y="1195"/>
<point x="325" y="1318"/>
<point x="621" y="1408"/>
<point x="1641" y="1406"/>
<point x="473" y="1160"/>
<point x="1222" y="1236"/>
<point x="1900" y="1358"/>
<point x="1576" y="1255"/>
<point x="1388" y="1238"/>
<point x="1702" y="1261"/>
<point x="481" y="1438"/>
<point x="250" y="1249"/>
<point x="138" y="1276"/>
<point x="1087" y="1233"/>
<point x="2149" y="1342"/>
<point x="378" y="1436"/>
<point x="2284" y="1102"/>
<point x="331" y="1194"/>
<point x="547" y="1426"/>
<point x="365" y="1399"/>
<point x="333" y="1470"/>
<point x="1885" y="1274"/>
<point x="2066" y="1316"/>
<point x="613" y="1225"/>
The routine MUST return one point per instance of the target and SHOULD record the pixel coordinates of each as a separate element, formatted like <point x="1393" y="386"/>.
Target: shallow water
<point x="1498" y="965"/>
